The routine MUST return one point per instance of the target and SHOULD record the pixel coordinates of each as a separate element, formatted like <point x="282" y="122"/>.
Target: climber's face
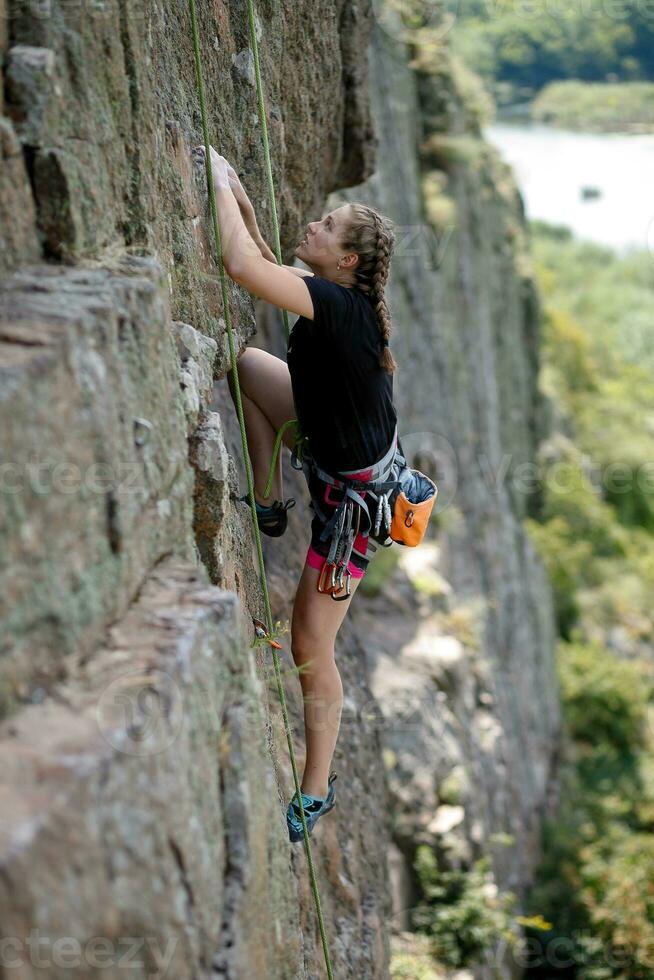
<point x="321" y="248"/>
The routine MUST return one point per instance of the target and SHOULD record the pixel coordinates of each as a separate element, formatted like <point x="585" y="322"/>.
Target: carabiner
<point x="326" y="570"/>
<point x="261" y="631"/>
<point x="335" y="573"/>
<point x="348" y="590"/>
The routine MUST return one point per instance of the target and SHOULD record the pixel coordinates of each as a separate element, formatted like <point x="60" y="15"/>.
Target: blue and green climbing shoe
<point x="272" y="520"/>
<point x="314" y="808"/>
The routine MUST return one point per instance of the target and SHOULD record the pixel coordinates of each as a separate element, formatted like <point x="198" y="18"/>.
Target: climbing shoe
<point x="272" y="520"/>
<point x="314" y="808"/>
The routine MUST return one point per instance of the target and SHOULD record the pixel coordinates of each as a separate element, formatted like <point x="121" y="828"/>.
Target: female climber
<point x="338" y="384"/>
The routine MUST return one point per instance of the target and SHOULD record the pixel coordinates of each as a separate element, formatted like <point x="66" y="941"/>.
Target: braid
<point x="371" y="235"/>
<point x="381" y="269"/>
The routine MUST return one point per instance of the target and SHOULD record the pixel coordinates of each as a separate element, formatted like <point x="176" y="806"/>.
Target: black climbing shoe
<point x="272" y="520"/>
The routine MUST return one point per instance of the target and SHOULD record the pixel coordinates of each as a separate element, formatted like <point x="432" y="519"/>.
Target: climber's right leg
<point x="267" y="399"/>
<point x="315" y="623"/>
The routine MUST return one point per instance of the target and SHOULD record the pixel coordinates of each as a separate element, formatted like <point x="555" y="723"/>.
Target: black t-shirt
<point x="343" y="398"/>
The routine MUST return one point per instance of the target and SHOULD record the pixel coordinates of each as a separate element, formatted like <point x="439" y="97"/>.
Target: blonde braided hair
<point x="371" y="236"/>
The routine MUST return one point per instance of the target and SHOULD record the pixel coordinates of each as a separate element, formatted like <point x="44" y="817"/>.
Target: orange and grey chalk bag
<point x="411" y="503"/>
<point x="412" y="509"/>
<point x="404" y="496"/>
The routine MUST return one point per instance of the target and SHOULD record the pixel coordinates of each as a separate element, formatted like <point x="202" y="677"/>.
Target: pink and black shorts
<point x="329" y="498"/>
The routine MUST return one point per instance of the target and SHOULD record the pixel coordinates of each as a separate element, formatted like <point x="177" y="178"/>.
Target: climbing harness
<point x="239" y="404"/>
<point x="404" y="497"/>
<point x="344" y="524"/>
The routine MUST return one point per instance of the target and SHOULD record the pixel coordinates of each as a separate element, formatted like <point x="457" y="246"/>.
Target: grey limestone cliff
<point x="145" y="770"/>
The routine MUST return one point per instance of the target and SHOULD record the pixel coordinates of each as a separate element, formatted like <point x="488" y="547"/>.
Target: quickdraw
<point x="262" y="633"/>
<point x="335" y="566"/>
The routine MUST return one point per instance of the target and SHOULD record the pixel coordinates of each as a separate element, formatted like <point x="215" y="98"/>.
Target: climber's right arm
<point x="247" y="212"/>
<point x="269" y="255"/>
<point x="250" y="222"/>
<point x="272" y="282"/>
<point x="241" y="256"/>
<point x="303" y="273"/>
<point x="235" y="267"/>
<point x="246" y="265"/>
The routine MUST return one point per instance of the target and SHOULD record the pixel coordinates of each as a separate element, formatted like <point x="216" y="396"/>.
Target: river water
<point x="552" y="165"/>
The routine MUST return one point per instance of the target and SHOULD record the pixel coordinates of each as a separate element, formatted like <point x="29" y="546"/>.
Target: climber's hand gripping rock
<point x="219" y="165"/>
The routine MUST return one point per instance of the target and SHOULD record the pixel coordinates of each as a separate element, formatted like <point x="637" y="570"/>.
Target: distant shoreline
<point x="590" y="107"/>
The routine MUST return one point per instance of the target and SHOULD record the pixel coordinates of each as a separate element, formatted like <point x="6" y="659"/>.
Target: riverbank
<point x="624" y="107"/>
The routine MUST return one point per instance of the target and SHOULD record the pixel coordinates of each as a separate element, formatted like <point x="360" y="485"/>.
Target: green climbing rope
<point x="239" y="404"/>
<point x="266" y="147"/>
<point x="278" y="442"/>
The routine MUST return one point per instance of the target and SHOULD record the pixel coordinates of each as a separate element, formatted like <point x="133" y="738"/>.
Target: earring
<point x="338" y="264"/>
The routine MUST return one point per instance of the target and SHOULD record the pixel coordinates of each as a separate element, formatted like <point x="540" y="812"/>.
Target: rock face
<point x="165" y="875"/>
<point x="98" y="487"/>
<point x="128" y="575"/>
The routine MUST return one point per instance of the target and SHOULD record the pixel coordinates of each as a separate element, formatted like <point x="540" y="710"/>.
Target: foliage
<point x="617" y="888"/>
<point x="570" y="496"/>
<point x="596" y="107"/>
<point x="597" y="345"/>
<point x="462" y="911"/>
<point x="531" y="44"/>
<point x="472" y="93"/>
<point x="596" y="880"/>
<point x="609" y="297"/>
<point x="412" y="959"/>
<point x="605" y="698"/>
<point x="596" y="525"/>
<point x="595" y="883"/>
<point x="574" y="357"/>
<point x="568" y="562"/>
